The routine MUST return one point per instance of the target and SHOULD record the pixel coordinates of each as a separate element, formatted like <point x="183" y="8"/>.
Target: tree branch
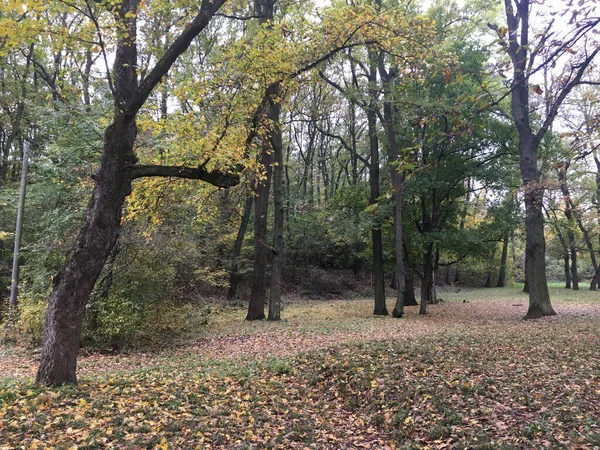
<point x="563" y="94"/>
<point x="208" y="9"/>
<point x="216" y="178"/>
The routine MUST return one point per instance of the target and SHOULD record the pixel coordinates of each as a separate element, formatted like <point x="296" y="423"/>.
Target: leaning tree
<point x="113" y="183"/>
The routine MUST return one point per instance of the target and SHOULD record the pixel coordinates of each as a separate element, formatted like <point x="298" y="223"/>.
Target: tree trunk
<point x="535" y="263"/>
<point x="566" y="256"/>
<point x="461" y="227"/>
<point x="488" y="280"/>
<point x="76" y="279"/>
<point x="447" y="277"/>
<point x="427" y="282"/>
<point x="14" y="284"/>
<point x="401" y="275"/>
<point x="567" y="271"/>
<point x="595" y="280"/>
<point x="409" y="298"/>
<point x="569" y="214"/>
<point x="277" y="261"/>
<point x="234" y="275"/>
<point x="256" y="307"/>
<point x="397" y="181"/>
<point x="380" y="308"/>
<point x="503" y="259"/>
<point x="573" y="251"/>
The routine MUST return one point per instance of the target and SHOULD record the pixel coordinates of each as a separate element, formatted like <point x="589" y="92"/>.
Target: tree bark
<point x="75" y="281"/>
<point x="461" y="226"/>
<point x="535" y="263"/>
<point x="277" y="259"/>
<point x="502" y="274"/>
<point x="569" y="214"/>
<point x="522" y="55"/>
<point x="595" y="280"/>
<point x="427" y="287"/>
<point x="380" y="308"/>
<point x="234" y="275"/>
<point x="409" y="298"/>
<point x="488" y="279"/>
<point x="256" y="308"/>
<point x="14" y="283"/>
<point x="397" y="182"/>
<point x="113" y="182"/>
<point x="566" y="258"/>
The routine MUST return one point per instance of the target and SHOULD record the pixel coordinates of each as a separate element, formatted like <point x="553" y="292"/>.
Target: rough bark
<point x="256" y="307"/>
<point x="101" y="224"/>
<point x="75" y="281"/>
<point x="535" y="262"/>
<point x="410" y="298"/>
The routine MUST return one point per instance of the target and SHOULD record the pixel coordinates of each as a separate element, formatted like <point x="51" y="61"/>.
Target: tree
<point x="523" y="53"/>
<point x="397" y="179"/>
<point x="113" y="182"/>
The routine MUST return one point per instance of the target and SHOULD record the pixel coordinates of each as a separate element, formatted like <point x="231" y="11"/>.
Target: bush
<point x="123" y="323"/>
<point x="31" y="321"/>
<point x="26" y="325"/>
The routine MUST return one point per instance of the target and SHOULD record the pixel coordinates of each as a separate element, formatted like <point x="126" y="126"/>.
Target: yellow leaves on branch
<point x="226" y="94"/>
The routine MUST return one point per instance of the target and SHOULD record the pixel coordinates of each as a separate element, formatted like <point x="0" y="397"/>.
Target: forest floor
<point x="469" y="374"/>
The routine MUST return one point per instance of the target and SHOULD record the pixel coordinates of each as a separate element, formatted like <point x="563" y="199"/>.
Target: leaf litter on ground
<point x="468" y="375"/>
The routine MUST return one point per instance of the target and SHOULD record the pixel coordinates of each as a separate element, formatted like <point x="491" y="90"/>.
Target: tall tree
<point x="113" y="183"/>
<point x="372" y="110"/>
<point x="397" y="185"/>
<point x="523" y="52"/>
<point x="271" y="144"/>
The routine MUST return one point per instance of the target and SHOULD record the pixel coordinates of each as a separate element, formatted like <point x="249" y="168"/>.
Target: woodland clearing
<point x="470" y="374"/>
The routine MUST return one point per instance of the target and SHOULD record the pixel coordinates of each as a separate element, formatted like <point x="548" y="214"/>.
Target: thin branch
<point x="208" y="9"/>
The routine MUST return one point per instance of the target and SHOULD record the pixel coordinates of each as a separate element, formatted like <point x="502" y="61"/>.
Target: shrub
<point x="26" y="325"/>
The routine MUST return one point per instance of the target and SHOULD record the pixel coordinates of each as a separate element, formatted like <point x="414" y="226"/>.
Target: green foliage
<point x="25" y="326"/>
<point x="127" y="323"/>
